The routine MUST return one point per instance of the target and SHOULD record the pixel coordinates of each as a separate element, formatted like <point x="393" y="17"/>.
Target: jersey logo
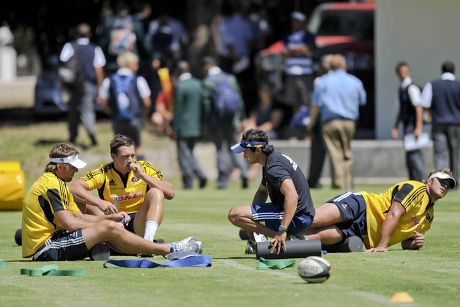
<point x="294" y="165"/>
<point x="111" y="182"/>
<point x="128" y="197"/>
<point x="135" y="179"/>
<point x="415" y="221"/>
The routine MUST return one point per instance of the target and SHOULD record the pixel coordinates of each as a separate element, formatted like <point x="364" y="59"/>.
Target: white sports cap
<point x="72" y="160"/>
<point x="298" y="15"/>
<point x="442" y="175"/>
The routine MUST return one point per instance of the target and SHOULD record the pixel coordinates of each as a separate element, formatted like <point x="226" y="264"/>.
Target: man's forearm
<point x="388" y="227"/>
<point x="166" y="187"/>
<point x="260" y="197"/>
<point x="290" y="206"/>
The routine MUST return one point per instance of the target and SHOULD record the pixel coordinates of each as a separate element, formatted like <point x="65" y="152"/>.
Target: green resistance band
<point x="52" y="270"/>
<point x="265" y="264"/>
<point x="3" y="264"/>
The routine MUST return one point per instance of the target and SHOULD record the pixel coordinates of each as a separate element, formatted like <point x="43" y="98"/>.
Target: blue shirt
<point x="236" y="31"/>
<point x="339" y="95"/>
<point x="299" y="65"/>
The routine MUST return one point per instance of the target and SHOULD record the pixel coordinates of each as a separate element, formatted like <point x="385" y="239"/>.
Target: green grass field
<point x="431" y="275"/>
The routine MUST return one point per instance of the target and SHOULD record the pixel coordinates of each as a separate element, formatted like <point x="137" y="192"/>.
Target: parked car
<point x="348" y="29"/>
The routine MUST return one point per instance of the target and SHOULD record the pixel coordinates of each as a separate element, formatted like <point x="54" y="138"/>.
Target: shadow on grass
<point x="47" y="142"/>
<point x="235" y="258"/>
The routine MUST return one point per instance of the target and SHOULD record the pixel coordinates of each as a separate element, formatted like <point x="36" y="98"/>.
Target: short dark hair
<point x="448" y="66"/>
<point x="209" y="60"/>
<point x="401" y="64"/>
<point x="257" y="135"/>
<point x="118" y="141"/>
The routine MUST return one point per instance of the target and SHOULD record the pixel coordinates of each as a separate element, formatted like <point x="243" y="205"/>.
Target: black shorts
<point x="63" y="246"/>
<point x="353" y="208"/>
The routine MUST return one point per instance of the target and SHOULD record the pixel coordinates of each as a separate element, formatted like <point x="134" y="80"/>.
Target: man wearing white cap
<point x="54" y="229"/>
<point x="401" y="214"/>
<point x="299" y="67"/>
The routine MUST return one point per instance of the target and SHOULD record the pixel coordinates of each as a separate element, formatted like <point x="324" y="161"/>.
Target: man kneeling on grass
<point x="401" y="214"/>
<point x="54" y="229"/>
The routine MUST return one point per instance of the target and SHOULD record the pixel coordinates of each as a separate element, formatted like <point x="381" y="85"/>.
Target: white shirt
<point x="67" y="52"/>
<point x="185" y="76"/>
<point x="427" y="93"/>
<point x="142" y="85"/>
<point x="414" y="91"/>
<point x="214" y="71"/>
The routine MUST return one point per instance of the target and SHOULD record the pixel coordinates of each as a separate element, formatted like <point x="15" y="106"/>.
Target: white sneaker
<point x="260" y="237"/>
<point x="186" y="245"/>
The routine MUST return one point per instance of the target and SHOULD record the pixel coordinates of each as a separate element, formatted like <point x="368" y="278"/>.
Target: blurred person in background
<point x="442" y="96"/>
<point x="338" y="95"/>
<point x="126" y="98"/>
<point x="411" y="115"/>
<point x="317" y="148"/>
<point x="91" y="60"/>
<point x="186" y="124"/>
<point x="224" y="110"/>
<point x="299" y="66"/>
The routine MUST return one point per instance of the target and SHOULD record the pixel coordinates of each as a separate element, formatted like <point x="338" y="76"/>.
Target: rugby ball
<point x="314" y="269"/>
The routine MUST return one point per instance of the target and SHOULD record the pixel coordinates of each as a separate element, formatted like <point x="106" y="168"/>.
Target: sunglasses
<point x="444" y="182"/>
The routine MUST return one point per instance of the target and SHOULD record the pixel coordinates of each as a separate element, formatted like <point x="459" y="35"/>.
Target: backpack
<point x="71" y="72"/>
<point x="226" y="101"/>
<point x="124" y="101"/>
<point x="122" y="36"/>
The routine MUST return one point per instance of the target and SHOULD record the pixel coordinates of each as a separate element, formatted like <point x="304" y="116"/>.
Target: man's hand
<point x="395" y="133"/>
<point x="377" y="249"/>
<point x="107" y="207"/>
<point x="278" y="242"/>
<point x="137" y="170"/>
<point x="117" y="217"/>
<point x="416" y="242"/>
<point x="417" y="132"/>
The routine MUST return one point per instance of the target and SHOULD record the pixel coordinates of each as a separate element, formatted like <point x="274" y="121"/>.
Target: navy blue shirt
<point x="280" y="167"/>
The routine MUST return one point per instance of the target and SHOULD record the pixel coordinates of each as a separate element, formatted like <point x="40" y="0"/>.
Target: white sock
<point x="150" y="230"/>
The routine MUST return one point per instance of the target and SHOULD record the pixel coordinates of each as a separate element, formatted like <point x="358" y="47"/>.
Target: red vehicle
<point x="348" y="29"/>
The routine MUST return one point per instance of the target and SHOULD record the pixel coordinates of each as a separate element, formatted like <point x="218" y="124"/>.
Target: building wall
<point x="423" y="33"/>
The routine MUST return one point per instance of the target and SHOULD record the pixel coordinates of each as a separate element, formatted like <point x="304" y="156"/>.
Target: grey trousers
<point x="446" y="146"/>
<point x="188" y="163"/>
<point x="224" y="138"/>
<point x="414" y="161"/>
<point x="81" y="108"/>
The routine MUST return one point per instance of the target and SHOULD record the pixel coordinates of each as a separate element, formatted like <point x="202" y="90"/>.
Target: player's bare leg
<point x="121" y="240"/>
<point x="152" y="210"/>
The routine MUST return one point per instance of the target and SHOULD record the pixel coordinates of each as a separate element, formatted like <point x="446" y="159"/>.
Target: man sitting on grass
<point x="125" y="184"/>
<point x="401" y="214"/>
<point x="54" y="229"/>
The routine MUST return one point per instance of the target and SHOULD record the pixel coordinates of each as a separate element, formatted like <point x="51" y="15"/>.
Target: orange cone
<point x="401" y="297"/>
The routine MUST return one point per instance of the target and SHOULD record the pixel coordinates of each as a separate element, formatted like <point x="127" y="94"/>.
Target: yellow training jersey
<point x="47" y="195"/>
<point x="414" y="197"/>
<point x="128" y="192"/>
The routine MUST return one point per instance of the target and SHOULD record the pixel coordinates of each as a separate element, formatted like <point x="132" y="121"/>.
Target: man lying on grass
<point x="401" y="214"/>
<point x="54" y="229"/>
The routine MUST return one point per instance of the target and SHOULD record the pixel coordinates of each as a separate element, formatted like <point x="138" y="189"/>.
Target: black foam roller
<point x="351" y="244"/>
<point x="18" y="236"/>
<point x="294" y="249"/>
<point x="243" y="234"/>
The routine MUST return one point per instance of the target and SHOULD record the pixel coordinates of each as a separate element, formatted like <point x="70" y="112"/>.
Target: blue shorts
<point x="62" y="246"/>
<point x="353" y="207"/>
<point x="130" y="226"/>
<point x="272" y="216"/>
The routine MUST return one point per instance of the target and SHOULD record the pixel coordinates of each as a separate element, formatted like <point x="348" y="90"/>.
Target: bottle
<point x="116" y="202"/>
